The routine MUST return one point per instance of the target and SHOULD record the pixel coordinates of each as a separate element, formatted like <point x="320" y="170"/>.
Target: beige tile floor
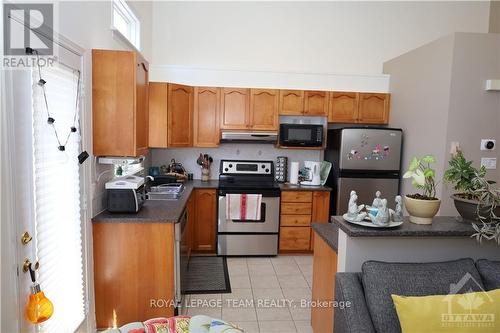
<point x="268" y="295"/>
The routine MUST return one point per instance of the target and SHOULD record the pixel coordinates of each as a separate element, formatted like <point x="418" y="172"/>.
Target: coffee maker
<point x="312" y="173"/>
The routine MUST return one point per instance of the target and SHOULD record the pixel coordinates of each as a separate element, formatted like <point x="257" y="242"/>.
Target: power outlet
<point x="488" y="144"/>
<point x="489" y="163"/>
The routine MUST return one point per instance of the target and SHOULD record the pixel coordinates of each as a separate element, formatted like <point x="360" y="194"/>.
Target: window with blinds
<point x="58" y="222"/>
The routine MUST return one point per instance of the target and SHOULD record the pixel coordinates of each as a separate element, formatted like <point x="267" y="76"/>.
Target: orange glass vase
<point x="39" y="307"/>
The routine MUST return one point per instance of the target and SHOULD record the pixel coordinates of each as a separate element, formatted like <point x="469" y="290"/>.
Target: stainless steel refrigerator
<point x="366" y="160"/>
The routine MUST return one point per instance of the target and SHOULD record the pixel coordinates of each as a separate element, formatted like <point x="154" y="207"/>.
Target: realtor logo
<point x="28" y="25"/>
<point x="464" y="310"/>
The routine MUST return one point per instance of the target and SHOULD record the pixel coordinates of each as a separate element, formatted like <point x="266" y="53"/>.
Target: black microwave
<point x="301" y="135"/>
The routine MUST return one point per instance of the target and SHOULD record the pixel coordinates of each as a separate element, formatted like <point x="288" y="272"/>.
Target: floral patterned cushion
<point x="179" y="324"/>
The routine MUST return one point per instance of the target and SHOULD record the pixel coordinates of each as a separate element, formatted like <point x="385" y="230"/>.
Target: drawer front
<point x="294" y="238"/>
<point x="296" y="196"/>
<point x="302" y="208"/>
<point x="295" y="220"/>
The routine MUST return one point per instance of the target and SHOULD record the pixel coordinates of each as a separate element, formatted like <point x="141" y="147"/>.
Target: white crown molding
<point x="265" y="79"/>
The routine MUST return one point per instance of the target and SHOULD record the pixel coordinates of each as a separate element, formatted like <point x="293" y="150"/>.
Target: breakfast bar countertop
<point x="329" y="233"/>
<point x="157" y="211"/>
<point x="442" y="226"/>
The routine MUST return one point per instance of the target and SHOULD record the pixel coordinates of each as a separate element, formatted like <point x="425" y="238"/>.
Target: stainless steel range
<point x="241" y="237"/>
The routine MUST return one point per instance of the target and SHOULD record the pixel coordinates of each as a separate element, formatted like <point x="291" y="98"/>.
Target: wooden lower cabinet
<point x="205" y="221"/>
<point x="320" y="210"/>
<point x="133" y="264"/>
<point x="298" y="210"/>
<point x="294" y="238"/>
<point x="323" y="289"/>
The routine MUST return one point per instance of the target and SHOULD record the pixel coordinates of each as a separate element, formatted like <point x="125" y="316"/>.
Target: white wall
<point x="88" y="24"/>
<point x="420" y="86"/>
<point x="303" y="37"/>
<point x="438" y="97"/>
<point x="245" y="151"/>
<point x="474" y="113"/>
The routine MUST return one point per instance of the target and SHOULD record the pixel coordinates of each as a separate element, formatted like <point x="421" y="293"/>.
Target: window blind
<point x="57" y="200"/>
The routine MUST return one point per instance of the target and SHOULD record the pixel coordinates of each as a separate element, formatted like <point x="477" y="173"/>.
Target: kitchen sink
<point x="165" y="192"/>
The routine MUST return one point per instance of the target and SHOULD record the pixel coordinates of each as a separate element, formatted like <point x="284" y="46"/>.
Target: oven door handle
<point x="262" y="216"/>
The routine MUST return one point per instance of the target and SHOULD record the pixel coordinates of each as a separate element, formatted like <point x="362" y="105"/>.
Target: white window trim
<point x="132" y="19"/>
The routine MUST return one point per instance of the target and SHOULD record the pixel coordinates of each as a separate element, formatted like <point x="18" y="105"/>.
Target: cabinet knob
<point x="26" y="238"/>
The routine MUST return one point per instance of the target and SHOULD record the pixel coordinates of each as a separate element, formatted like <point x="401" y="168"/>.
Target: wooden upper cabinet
<point x="374" y="108"/>
<point x="264" y="109"/>
<point x="206" y="117"/>
<point x="343" y="107"/>
<point x="158" y="123"/>
<point x="180" y="111"/>
<point x="235" y="104"/>
<point x="291" y="102"/>
<point x="316" y="103"/>
<point x="119" y="103"/>
<point x="142" y="105"/>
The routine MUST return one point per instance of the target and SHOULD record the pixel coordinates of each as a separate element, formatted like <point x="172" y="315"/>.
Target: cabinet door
<point x="374" y="108"/>
<point x="158" y="123"/>
<point x="205" y="226"/>
<point x="180" y="110"/>
<point x="294" y="238"/>
<point x="113" y="103"/>
<point x="119" y="264"/>
<point x="142" y="110"/>
<point x="264" y="109"/>
<point x="191" y="220"/>
<point x="343" y="107"/>
<point x="316" y="103"/>
<point x="323" y="288"/>
<point x="206" y="117"/>
<point x="320" y="210"/>
<point x="291" y="102"/>
<point x="235" y="108"/>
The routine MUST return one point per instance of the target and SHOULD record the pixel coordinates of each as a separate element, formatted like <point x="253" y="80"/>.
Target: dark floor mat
<point x="207" y="275"/>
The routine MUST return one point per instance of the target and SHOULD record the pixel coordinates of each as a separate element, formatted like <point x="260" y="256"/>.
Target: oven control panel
<point x="247" y="167"/>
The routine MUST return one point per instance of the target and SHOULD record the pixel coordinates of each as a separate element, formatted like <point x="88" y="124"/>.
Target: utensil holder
<point x="205" y="175"/>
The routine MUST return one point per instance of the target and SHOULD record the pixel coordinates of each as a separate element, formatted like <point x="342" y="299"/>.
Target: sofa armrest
<point x="355" y="317"/>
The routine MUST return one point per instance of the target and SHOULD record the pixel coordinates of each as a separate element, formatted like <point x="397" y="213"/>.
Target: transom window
<point x="126" y="23"/>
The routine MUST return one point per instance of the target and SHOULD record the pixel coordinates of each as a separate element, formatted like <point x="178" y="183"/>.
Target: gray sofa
<point x="369" y="292"/>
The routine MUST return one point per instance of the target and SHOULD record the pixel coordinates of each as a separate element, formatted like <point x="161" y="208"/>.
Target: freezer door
<point x="365" y="189"/>
<point x="370" y="149"/>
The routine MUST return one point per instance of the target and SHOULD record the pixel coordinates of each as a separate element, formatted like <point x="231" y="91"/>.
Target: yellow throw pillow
<point x="477" y="312"/>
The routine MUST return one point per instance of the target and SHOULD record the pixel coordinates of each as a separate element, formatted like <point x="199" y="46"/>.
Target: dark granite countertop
<point x="157" y="211"/>
<point x="329" y="232"/>
<point x="442" y="226"/>
<point x="291" y="187"/>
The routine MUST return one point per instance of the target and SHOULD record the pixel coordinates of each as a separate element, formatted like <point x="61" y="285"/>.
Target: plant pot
<point x="422" y="211"/>
<point x="468" y="208"/>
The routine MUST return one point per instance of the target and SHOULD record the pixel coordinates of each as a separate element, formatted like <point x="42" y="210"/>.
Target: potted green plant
<point x="487" y="210"/>
<point x="422" y="207"/>
<point x="461" y="174"/>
